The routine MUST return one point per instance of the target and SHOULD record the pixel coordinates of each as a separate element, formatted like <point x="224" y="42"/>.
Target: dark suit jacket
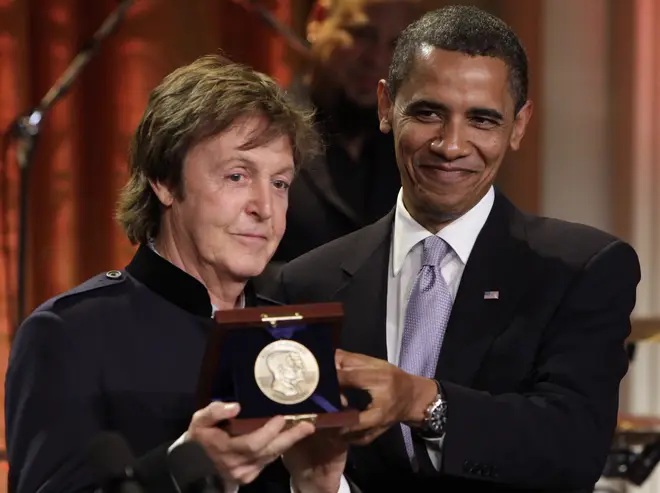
<point x="531" y="378"/>
<point x="120" y="352"/>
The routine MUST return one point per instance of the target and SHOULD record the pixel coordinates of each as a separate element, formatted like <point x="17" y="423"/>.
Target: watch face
<point x="436" y="424"/>
<point x="437" y="418"/>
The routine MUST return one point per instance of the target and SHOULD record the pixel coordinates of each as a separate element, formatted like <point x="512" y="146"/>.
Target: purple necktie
<point x="427" y="313"/>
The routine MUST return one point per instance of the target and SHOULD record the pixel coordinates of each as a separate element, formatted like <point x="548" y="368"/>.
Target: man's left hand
<point x="316" y="463"/>
<point x="396" y="396"/>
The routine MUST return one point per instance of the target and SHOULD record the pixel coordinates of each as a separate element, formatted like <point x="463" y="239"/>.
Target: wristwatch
<point x="435" y="417"/>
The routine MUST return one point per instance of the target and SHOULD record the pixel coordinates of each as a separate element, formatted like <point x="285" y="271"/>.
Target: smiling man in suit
<point x="486" y="344"/>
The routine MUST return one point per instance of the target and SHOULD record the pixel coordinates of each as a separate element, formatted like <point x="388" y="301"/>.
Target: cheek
<point x="280" y="206"/>
<point x="412" y="140"/>
<point x="492" y="149"/>
<point x="218" y="209"/>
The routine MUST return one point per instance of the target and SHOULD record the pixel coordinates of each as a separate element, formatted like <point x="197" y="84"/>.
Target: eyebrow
<point x="289" y="168"/>
<point x="249" y="163"/>
<point x="424" y="104"/>
<point x="233" y="160"/>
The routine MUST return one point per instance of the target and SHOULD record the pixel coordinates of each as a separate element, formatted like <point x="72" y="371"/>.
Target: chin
<point x="247" y="271"/>
<point x="438" y="206"/>
<point x="248" y="266"/>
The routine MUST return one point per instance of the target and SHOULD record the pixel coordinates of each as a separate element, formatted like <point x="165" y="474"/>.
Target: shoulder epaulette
<point x="110" y="278"/>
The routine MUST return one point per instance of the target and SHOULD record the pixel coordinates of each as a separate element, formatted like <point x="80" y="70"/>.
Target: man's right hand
<point x="241" y="459"/>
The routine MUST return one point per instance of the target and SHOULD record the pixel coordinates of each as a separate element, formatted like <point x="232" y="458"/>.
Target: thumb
<point x="214" y="413"/>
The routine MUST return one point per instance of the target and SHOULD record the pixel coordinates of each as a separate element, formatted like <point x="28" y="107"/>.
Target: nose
<point x="452" y="142"/>
<point x="260" y="204"/>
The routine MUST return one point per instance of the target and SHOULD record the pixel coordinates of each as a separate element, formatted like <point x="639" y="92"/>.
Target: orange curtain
<point x="80" y="162"/>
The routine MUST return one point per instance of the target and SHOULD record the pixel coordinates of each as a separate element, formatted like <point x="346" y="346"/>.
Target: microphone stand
<point x="25" y="129"/>
<point x="298" y="44"/>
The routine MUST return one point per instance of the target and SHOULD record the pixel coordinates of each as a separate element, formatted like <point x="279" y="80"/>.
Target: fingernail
<point x="230" y="406"/>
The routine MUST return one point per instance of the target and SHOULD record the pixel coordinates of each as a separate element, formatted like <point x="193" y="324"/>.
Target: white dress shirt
<point x="406" y="262"/>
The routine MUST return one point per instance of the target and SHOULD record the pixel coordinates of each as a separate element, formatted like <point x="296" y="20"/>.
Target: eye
<point x="235" y="177"/>
<point x="483" y="122"/>
<point x="427" y="115"/>
<point x="281" y="185"/>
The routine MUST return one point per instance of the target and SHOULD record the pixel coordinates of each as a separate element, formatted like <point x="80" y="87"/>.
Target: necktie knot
<point x="434" y="250"/>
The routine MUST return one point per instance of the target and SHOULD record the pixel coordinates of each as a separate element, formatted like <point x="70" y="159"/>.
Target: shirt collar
<point x="461" y="234"/>
<point x="241" y="299"/>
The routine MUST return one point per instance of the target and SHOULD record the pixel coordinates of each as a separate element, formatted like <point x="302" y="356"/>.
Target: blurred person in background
<point x="356" y="182"/>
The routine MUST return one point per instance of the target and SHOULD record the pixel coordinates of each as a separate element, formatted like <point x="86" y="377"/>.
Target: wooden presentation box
<point x="276" y="360"/>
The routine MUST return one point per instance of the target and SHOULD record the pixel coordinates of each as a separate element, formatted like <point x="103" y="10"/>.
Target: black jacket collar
<point x="179" y="287"/>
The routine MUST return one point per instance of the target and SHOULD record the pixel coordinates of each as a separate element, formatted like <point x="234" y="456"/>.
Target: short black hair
<point x="466" y="29"/>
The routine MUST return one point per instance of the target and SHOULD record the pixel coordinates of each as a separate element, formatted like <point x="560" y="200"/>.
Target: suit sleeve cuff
<point x="343" y="486"/>
<point x="434" y="449"/>
<point x="178" y="442"/>
<point x="229" y="488"/>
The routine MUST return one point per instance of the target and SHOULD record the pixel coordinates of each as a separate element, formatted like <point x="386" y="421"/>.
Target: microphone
<point x="192" y="469"/>
<point x="643" y="465"/>
<point x="300" y="45"/>
<point x="113" y="463"/>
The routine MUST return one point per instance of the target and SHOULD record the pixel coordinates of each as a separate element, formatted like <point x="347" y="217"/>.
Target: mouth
<point x="251" y="238"/>
<point x="444" y="173"/>
<point x="446" y="167"/>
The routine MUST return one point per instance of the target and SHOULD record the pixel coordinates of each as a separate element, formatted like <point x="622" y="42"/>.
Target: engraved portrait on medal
<point x="286" y="372"/>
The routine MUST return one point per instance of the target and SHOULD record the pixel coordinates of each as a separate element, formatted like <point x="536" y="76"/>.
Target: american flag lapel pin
<point x="492" y="295"/>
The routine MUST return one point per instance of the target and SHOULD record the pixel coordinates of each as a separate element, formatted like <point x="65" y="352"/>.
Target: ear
<point x="385" y="106"/>
<point x="520" y="125"/>
<point x="163" y="193"/>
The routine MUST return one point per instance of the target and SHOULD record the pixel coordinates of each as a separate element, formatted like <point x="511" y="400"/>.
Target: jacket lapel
<point x="495" y="277"/>
<point x="366" y="286"/>
<point x="318" y="177"/>
<point x="261" y="291"/>
<point x="364" y="296"/>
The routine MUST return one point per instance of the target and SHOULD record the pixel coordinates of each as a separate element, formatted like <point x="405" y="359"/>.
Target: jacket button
<point x="113" y="274"/>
